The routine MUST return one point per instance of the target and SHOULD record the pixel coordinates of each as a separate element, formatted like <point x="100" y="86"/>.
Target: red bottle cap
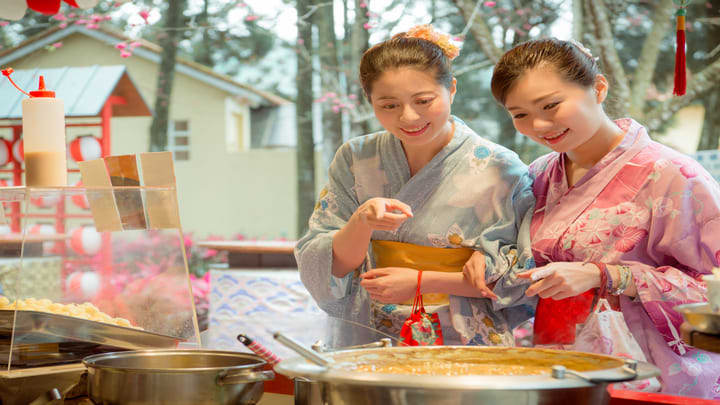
<point x="42" y="92"/>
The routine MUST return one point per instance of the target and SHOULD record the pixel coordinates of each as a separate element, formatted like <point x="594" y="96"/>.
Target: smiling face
<point x="554" y="112"/>
<point x="413" y="106"/>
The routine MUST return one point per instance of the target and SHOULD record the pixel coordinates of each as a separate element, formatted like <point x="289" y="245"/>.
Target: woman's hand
<point x="381" y="213"/>
<point x="561" y="280"/>
<point x="390" y="285"/>
<point x="474" y="274"/>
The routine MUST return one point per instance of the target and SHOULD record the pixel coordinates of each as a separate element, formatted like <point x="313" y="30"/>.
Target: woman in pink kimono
<point x="617" y="214"/>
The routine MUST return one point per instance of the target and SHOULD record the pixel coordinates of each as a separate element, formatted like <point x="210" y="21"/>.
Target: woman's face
<point x="554" y="112"/>
<point x="413" y="106"/>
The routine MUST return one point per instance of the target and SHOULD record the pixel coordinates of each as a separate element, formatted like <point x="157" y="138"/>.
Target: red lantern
<point x="83" y="284"/>
<point x="5" y="151"/>
<point x="42" y="229"/>
<point x="45" y="201"/>
<point x="18" y="151"/>
<point x="85" y="240"/>
<point x="80" y="199"/>
<point x="85" y="147"/>
<point x="6" y="183"/>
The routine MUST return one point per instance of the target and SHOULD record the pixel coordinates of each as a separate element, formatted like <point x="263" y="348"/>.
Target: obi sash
<point x="417" y="257"/>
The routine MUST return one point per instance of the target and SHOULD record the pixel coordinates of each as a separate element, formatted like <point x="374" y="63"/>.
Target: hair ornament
<point x="583" y="49"/>
<point x="428" y="33"/>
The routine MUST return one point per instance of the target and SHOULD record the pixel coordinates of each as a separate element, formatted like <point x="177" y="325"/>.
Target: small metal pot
<point x="177" y="377"/>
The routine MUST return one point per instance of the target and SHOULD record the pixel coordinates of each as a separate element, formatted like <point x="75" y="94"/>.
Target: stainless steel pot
<point x="177" y="377"/>
<point x="339" y="384"/>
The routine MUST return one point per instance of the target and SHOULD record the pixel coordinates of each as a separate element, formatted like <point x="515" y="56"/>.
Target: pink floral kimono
<point x="655" y="210"/>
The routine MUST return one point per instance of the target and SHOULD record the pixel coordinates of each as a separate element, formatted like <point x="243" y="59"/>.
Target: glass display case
<point x="110" y="275"/>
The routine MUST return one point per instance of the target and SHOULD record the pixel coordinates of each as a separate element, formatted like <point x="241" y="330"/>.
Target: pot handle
<point x="244" y="377"/>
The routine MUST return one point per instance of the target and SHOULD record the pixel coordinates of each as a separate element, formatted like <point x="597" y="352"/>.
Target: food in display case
<point x="86" y="311"/>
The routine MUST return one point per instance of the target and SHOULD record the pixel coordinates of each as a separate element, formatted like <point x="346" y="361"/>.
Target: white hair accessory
<point x="583" y="49"/>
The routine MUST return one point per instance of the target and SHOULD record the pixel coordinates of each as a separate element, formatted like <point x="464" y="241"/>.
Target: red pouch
<point x="421" y="328"/>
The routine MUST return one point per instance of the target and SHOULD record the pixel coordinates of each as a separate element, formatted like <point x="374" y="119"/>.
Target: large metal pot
<point x="177" y="377"/>
<point x="343" y="383"/>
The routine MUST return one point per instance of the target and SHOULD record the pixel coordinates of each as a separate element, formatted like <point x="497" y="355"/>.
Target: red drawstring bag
<point x="421" y="328"/>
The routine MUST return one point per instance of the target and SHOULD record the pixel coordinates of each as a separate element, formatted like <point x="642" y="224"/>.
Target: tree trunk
<point x="359" y="40"/>
<point x="329" y="65"/>
<point x="711" y="124"/>
<point x="203" y="52"/>
<point x="305" y="146"/>
<point x="166" y="73"/>
<point x="661" y="23"/>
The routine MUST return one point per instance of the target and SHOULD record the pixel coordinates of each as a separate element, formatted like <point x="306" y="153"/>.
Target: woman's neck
<point x="591" y="152"/>
<point x="420" y="155"/>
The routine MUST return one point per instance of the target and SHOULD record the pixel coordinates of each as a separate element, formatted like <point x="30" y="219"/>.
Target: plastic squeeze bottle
<point x="43" y="118"/>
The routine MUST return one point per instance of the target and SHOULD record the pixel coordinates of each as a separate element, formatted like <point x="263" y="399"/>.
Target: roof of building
<point x="149" y="51"/>
<point x="84" y="91"/>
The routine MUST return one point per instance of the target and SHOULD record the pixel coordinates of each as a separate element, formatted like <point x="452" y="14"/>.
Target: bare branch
<point x="699" y="84"/>
<point x="475" y="66"/>
<point x="480" y="30"/>
<point x="642" y="78"/>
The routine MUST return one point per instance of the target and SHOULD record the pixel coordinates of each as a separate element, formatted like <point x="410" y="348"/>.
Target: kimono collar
<point x="579" y="197"/>
<point x="633" y="132"/>
<point x="461" y="134"/>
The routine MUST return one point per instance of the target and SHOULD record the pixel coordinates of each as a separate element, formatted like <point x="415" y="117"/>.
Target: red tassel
<point x="680" y="75"/>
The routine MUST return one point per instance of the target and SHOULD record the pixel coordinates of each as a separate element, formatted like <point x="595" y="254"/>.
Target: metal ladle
<point x="298" y="348"/>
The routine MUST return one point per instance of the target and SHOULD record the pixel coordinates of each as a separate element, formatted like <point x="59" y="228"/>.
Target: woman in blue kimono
<point x="423" y="194"/>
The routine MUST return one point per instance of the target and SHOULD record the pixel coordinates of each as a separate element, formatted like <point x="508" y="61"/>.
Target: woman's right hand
<point x="381" y="213"/>
<point x="474" y="274"/>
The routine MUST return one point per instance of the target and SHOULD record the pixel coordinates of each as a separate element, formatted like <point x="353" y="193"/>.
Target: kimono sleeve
<point x="506" y="245"/>
<point x="336" y="204"/>
<point x="684" y="207"/>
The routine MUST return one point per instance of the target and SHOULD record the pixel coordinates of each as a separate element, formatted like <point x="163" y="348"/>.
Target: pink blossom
<point x="121" y="45"/>
<point x="135" y="44"/>
<point x="144" y="14"/>
<point x="60" y="17"/>
<point x="367" y="26"/>
<point x="92" y="26"/>
<point x="72" y="15"/>
<point x="520" y="11"/>
<point x="4" y="23"/>
<point x="300" y="41"/>
<point x="57" y="44"/>
<point x="489" y="4"/>
<point x="352" y="96"/>
<point x="251" y="18"/>
<point x="330" y="94"/>
<point x="63" y="25"/>
<point x="336" y="109"/>
<point x="363" y="5"/>
<point x="125" y="54"/>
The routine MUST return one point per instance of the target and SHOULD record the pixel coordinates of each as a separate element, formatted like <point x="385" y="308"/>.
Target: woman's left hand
<point x="390" y="285"/>
<point x="560" y="280"/>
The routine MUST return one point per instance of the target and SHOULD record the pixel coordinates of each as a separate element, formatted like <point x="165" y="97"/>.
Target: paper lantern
<point x="80" y="199"/>
<point x="17" y="151"/>
<point x="83" y="284"/>
<point x="85" y="148"/>
<point x="6" y="183"/>
<point x="45" y="201"/>
<point x="42" y="229"/>
<point x="5" y="151"/>
<point x="85" y="240"/>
